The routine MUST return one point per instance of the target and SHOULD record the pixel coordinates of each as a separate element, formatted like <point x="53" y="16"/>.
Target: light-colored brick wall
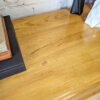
<point x="21" y="8"/>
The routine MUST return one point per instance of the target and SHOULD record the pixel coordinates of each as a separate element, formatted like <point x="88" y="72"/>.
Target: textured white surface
<point x="21" y="8"/>
<point x="93" y="18"/>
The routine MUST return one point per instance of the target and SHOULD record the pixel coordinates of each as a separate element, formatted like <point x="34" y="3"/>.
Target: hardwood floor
<point x="62" y="56"/>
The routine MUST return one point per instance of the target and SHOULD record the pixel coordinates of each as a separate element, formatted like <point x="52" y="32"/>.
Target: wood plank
<point x="62" y="55"/>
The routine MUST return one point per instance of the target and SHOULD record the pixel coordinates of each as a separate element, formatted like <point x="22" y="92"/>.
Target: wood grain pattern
<point x="62" y="55"/>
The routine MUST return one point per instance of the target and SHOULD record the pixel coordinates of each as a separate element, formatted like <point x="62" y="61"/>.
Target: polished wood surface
<point x="62" y="56"/>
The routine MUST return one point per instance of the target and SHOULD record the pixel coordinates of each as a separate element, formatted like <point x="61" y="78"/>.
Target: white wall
<point x="21" y="8"/>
